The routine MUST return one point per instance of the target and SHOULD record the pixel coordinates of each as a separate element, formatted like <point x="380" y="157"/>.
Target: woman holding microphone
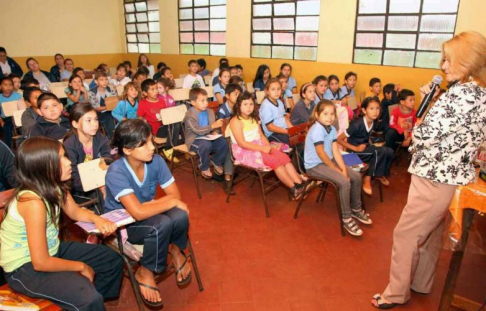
<point x="444" y="144"/>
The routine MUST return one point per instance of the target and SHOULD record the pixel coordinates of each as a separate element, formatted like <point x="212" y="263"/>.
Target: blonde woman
<point x="443" y="144"/>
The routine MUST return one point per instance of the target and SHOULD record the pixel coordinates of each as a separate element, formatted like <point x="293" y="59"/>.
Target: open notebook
<point x="119" y="216"/>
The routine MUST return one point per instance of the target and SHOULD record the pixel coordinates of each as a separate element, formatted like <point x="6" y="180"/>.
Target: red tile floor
<point x="250" y="262"/>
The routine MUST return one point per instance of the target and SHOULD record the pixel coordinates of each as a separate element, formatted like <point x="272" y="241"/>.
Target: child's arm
<point x="291" y="103"/>
<point x="193" y="125"/>
<point x="321" y="153"/>
<point x="95" y="102"/>
<point x="339" y="159"/>
<point x="118" y="112"/>
<point x="74" y="98"/>
<point x="343" y="142"/>
<point x="219" y="98"/>
<point x="277" y="129"/>
<point x="237" y="130"/>
<point x="287" y="121"/>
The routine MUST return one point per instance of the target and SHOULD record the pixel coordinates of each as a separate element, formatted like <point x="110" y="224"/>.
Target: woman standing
<point x="443" y="146"/>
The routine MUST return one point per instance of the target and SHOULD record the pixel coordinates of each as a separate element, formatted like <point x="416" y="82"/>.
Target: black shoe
<point x="227" y="187"/>
<point x="218" y="178"/>
<point x="296" y="192"/>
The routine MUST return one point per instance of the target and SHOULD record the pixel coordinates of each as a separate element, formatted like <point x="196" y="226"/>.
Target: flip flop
<point x="188" y="278"/>
<point x="150" y="303"/>
<point x="381" y="304"/>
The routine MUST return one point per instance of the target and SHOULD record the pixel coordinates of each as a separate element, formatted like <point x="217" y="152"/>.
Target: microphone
<point x="436" y="81"/>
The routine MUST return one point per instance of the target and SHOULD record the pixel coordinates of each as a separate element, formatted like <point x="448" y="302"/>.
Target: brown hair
<point x="318" y="109"/>
<point x="100" y="73"/>
<point x="270" y="82"/>
<point x="126" y="88"/>
<point x="195" y="92"/>
<point x="165" y="82"/>
<point x="237" y="108"/>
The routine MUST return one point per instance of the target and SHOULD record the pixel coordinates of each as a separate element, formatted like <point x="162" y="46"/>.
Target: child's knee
<point x="179" y="218"/>
<point x="93" y="301"/>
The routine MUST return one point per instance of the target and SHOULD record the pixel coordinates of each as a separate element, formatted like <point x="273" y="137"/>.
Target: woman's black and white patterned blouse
<point x="445" y="144"/>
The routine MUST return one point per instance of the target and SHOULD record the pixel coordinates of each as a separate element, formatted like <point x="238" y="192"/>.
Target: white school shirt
<point x="191" y="82"/>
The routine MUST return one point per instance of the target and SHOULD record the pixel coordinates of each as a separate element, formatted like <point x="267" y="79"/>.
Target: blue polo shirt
<point x="121" y="180"/>
<point x="318" y="135"/>
<point x="224" y="111"/>
<point x="218" y="88"/>
<point x="271" y="113"/>
<point x="14" y="96"/>
<point x="291" y="83"/>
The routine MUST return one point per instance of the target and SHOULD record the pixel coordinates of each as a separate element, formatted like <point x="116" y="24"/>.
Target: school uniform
<point x="124" y="109"/>
<point x="49" y="129"/>
<point x="273" y="113"/>
<point x="259" y="85"/>
<point x="301" y="113"/>
<point x="97" y="100"/>
<point x="219" y="88"/>
<point x="8" y="122"/>
<point x="159" y="231"/>
<point x="224" y="111"/>
<point x="347" y="92"/>
<point x="378" y="158"/>
<point x="291" y="83"/>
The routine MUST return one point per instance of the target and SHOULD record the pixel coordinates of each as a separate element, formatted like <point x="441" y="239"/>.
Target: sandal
<point x="178" y="271"/>
<point x="207" y="174"/>
<point x="218" y="170"/>
<point x="150" y="303"/>
<point x="352" y="227"/>
<point x="381" y="304"/>
<point x="383" y="180"/>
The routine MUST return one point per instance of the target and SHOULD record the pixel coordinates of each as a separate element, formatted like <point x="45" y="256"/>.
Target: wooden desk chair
<point x="57" y="88"/>
<point x="214" y="105"/>
<point x="208" y="81"/>
<point x="209" y="90"/>
<point x="180" y="94"/>
<point x="17" y="138"/>
<point x="111" y="102"/>
<point x="296" y="98"/>
<point x="8" y="108"/>
<point x="182" y="76"/>
<point x="178" y="83"/>
<point x="119" y="90"/>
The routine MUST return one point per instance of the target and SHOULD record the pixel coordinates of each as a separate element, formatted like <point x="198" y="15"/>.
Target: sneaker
<point x="362" y="217"/>
<point x="296" y="192"/>
<point x="353" y="228"/>
<point x="168" y="155"/>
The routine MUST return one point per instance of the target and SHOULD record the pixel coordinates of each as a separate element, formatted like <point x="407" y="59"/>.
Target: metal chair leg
<point x="340" y="212"/>
<point x="264" y="194"/>
<point x="134" y="283"/>
<point x="194" y="265"/>
<point x="301" y="200"/>
<point x="231" y="185"/>
<point x="194" y="171"/>
<point x="324" y="188"/>
<point x="380" y="189"/>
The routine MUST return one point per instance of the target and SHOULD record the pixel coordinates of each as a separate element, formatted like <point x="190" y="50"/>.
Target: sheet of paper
<point x="92" y="174"/>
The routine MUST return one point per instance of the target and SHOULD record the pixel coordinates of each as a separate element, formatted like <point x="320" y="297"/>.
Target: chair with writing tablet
<point x="111" y="102"/>
<point x="209" y="90"/>
<point x="260" y="97"/>
<point x="119" y="90"/>
<point x="93" y="177"/>
<point x="180" y="94"/>
<point x="178" y="83"/>
<point x="57" y="89"/>
<point x="8" y="108"/>
<point x="208" y="80"/>
<point x="17" y="138"/>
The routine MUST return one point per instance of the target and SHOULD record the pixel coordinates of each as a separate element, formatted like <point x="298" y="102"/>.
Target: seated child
<point x="84" y="143"/>
<point x="389" y="98"/>
<point x="32" y="114"/>
<point x="375" y="88"/>
<point x="157" y="75"/>
<point x="161" y="224"/>
<point x="75" y="92"/>
<point x="239" y="73"/>
<point x="16" y="82"/>
<point x="287" y="98"/>
<point x="251" y="147"/>
<point x="52" y="124"/>
<point x="335" y="95"/>
<point x="78" y="71"/>
<point x="286" y="70"/>
<point x="7" y="95"/>
<point x="149" y="109"/>
<point x="97" y="97"/>
<point x="192" y="80"/>
<point x="25" y="83"/>
<point x="200" y="121"/>
<point x="321" y="85"/>
<point x="233" y="71"/>
<point x="303" y="109"/>
<point x="138" y="79"/>
<point x="323" y="160"/>
<point x="127" y="107"/>
<point x="261" y="78"/>
<point x="232" y="92"/>
<point x="219" y="89"/>
<point x="68" y="69"/>
<point x="121" y="76"/>
<point x="203" y="71"/>
<point x="75" y="276"/>
<point x="101" y="67"/>
<point x="349" y="83"/>
<point x="223" y="65"/>
<point x="356" y="139"/>
<point x="402" y="120"/>
<point x="237" y="80"/>
<point x="163" y="86"/>
<point x="275" y="121"/>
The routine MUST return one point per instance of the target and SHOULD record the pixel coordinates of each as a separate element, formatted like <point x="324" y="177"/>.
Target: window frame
<point x="137" y="32"/>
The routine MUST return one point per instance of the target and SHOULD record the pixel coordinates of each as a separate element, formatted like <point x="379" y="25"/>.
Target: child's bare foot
<point x="183" y="270"/>
<point x="148" y="287"/>
<point x="367" y="185"/>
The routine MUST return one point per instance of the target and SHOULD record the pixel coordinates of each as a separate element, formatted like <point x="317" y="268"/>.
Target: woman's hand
<point x="104" y="226"/>
<point x="87" y="272"/>
<point x="425" y="89"/>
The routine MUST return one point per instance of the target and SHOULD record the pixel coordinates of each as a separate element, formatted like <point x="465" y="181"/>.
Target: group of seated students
<point x="55" y="145"/>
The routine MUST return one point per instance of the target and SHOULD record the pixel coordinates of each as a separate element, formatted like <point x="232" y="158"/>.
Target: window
<point x="142" y="26"/>
<point x="406" y="33"/>
<point x="285" y="29"/>
<point x="202" y="27"/>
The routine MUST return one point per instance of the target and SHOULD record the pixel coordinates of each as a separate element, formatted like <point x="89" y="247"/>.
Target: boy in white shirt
<point x="193" y="80"/>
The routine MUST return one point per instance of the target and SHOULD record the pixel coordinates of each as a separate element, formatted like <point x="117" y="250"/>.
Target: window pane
<point x="201" y="49"/>
<point x="218" y="24"/>
<point x="143" y="38"/>
<point x="141" y="17"/>
<point x="308" y="7"/>
<point x="201" y="13"/>
<point x="440" y="6"/>
<point x="218" y="37"/>
<point x="132" y="48"/>
<point x="186" y="37"/>
<point x="143" y="48"/>
<point x="153" y="5"/>
<point x="155" y="48"/>
<point x="284" y="9"/>
<point x="218" y="49"/>
<point x="130" y="18"/>
<point x="185" y="26"/>
<point x="367" y="56"/>
<point x="283" y="24"/>
<point x="263" y="51"/>
<point x="306" y="38"/>
<point x="307" y="23"/>
<point x="262" y="0"/>
<point x="141" y="6"/>
<point x="284" y="52"/>
<point x="142" y="27"/>
<point x="403" y="23"/>
<point x="284" y="38"/>
<point x="397" y="41"/>
<point x="153" y="16"/>
<point x="369" y="40"/>
<point x="185" y="14"/>
<point x="261" y="38"/>
<point x="185" y="3"/>
<point x="132" y="38"/>
<point x="154" y="27"/>
<point x="305" y="53"/>
<point x="154" y="37"/>
<point x="399" y="58"/>
<point x="371" y="23"/>
<point x="262" y="24"/>
<point x="201" y="25"/>
<point x="201" y="2"/>
<point x="438" y="23"/>
<point x="129" y="8"/>
<point x="218" y="11"/>
<point x="202" y="37"/>
<point x="262" y="10"/>
<point x="187" y="49"/>
<point x="428" y="60"/>
<point x="372" y="6"/>
<point x="131" y="28"/>
<point x="404" y="6"/>
<point x="214" y="2"/>
<point x="432" y="41"/>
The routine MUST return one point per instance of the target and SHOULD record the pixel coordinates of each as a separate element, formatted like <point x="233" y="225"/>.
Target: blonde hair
<point x="465" y="52"/>
<point x="126" y="88"/>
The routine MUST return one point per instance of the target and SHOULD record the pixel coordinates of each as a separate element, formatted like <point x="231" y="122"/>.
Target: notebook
<point x="352" y="160"/>
<point x="92" y="174"/>
<point x="119" y="216"/>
